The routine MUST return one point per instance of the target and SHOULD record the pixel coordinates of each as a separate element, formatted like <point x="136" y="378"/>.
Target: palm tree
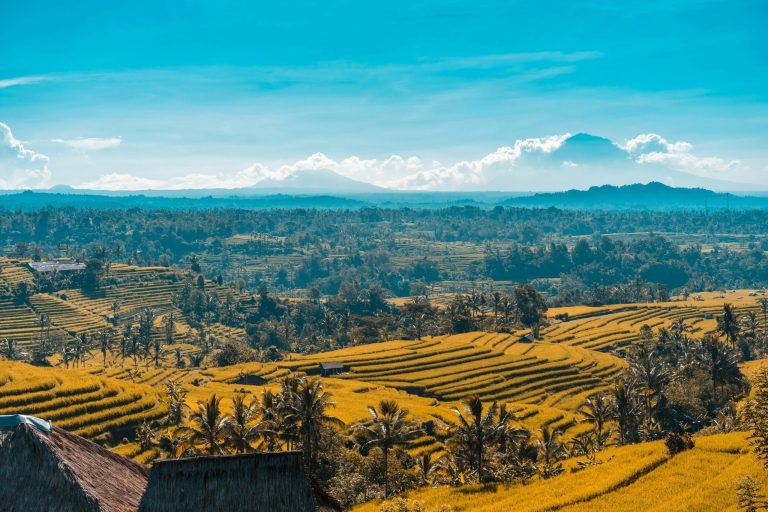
<point x="267" y="411"/>
<point x="389" y="427"/>
<point x="145" y="435"/>
<point x="625" y="409"/>
<point x="764" y="308"/>
<point x="728" y="325"/>
<point x="476" y="431"/>
<point x="211" y="427"/>
<point x="242" y="429"/>
<point x="597" y="411"/>
<point x="721" y="362"/>
<point x="426" y="467"/>
<point x="551" y="450"/>
<point x="309" y="409"/>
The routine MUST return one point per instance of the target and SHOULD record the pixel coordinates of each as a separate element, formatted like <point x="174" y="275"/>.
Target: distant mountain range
<point x="651" y="196"/>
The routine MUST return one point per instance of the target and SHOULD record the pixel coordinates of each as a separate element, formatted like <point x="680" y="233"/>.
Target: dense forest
<point x="572" y="256"/>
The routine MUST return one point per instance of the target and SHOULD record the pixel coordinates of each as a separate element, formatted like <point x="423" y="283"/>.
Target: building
<point x="332" y="368"/>
<point x="45" y="468"/>
<point x="62" y="267"/>
<point x="274" y="482"/>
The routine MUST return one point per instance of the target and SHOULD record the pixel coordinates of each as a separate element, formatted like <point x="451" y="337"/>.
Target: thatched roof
<point x="274" y="482"/>
<point x="60" y="472"/>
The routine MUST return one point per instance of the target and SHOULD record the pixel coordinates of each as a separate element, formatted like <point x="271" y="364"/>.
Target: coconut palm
<point x="597" y="411"/>
<point x="308" y="409"/>
<point x="426" y="467"/>
<point x="243" y="429"/>
<point x="476" y="431"/>
<point x="389" y="428"/>
<point x="625" y="409"/>
<point x="211" y="427"/>
<point x="721" y="362"/>
<point x="551" y="451"/>
<point x="764" y="308"/>
<point x="146" y="436"/>
<point x="728" y="325"/>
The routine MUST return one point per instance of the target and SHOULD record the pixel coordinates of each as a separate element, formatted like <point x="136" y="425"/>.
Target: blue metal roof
<point x="14" y="420"/>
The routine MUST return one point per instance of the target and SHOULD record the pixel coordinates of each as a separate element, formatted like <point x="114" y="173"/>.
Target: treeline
<point x="563" y="252"/>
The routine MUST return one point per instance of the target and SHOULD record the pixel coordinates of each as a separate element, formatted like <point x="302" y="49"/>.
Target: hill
<point x="651" y="196"/>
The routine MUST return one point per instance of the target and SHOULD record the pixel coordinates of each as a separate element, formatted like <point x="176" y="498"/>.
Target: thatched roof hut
<point x="45" y="468"/>
<point x="274" y="482"/>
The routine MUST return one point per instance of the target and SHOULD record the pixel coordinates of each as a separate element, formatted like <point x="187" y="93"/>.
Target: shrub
<point x="677" y="443"/>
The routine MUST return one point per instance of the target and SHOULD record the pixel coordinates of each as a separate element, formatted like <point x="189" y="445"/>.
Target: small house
<point x="274" y="482"/>
<point x="62" y="267"/>
<point x="526" y="338"/>
<point x="330" y="368"/>
<point x="43" y="467"/>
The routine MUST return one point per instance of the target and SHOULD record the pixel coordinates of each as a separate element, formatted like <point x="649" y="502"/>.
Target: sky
<point x="405" y="94"/>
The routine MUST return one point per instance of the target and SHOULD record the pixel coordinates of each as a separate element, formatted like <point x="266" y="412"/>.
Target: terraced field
<point x="613" y="327"/>
<point x="493" y="366"/>
<point x="20" y="323"/>
<point x="67" y="315"/>
<point x="90" y="406"/>
<point x="631" y="478"/>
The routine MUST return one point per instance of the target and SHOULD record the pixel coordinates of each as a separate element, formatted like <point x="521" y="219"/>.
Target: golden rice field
<point x="542" y="383"/>
<point x="633" y="478"/>
<point x="72" y="312"/>
<point x="90" y="406"/>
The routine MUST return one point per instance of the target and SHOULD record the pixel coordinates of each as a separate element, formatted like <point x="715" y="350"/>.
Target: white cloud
<point x="90" y="143"/>
<point x="529" y="164"/>
<point x="20" y="167"/>
<point x="654" y="143"/>
<point x="22" y="80"/>
<point x="651" y="148"/>
<point x="476" y="173"/>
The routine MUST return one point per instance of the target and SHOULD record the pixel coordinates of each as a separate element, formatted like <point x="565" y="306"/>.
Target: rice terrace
<point x="384" y="256"/>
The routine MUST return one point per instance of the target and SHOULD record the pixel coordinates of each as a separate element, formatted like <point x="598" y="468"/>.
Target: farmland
<point x="106" y="395"/>
<point x="639" y="477"/>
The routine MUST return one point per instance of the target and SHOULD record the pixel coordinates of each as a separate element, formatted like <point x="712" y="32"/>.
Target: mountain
<point x="582" y="160"/>
<point x="653" y="196"/>
<point x="313" y="181"/>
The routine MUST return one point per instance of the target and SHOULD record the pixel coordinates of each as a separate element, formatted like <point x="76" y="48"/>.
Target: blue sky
<point x="225" y="93"/>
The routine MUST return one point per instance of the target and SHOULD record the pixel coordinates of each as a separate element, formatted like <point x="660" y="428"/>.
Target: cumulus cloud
<point x="90" y="143"/>
<point x="476" y="173"/>
<point x="20" y="167"/>
<point x="651" y="148"/>
<point x="541" y="163"/>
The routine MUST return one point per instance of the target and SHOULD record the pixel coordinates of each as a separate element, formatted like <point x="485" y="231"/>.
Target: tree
<point x="389" y="428"/>
<point x="309" y="409"/>
<point x="750" y="498"/>
<point x="551" y="451"/>
<point x="175" y="400"/>
<point x="597" y="410"/>
<point x="146" y="435"/>
<point x="476" y="431"/>
<point x="625" y="409"/>
<point x="722" y="364"/>
<point x="211" y="427"/>
<point x="531" y="308"/>
<point x="243" y="428"/>
<point x="728" y="325"/>
<point x="763" y="301"/>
